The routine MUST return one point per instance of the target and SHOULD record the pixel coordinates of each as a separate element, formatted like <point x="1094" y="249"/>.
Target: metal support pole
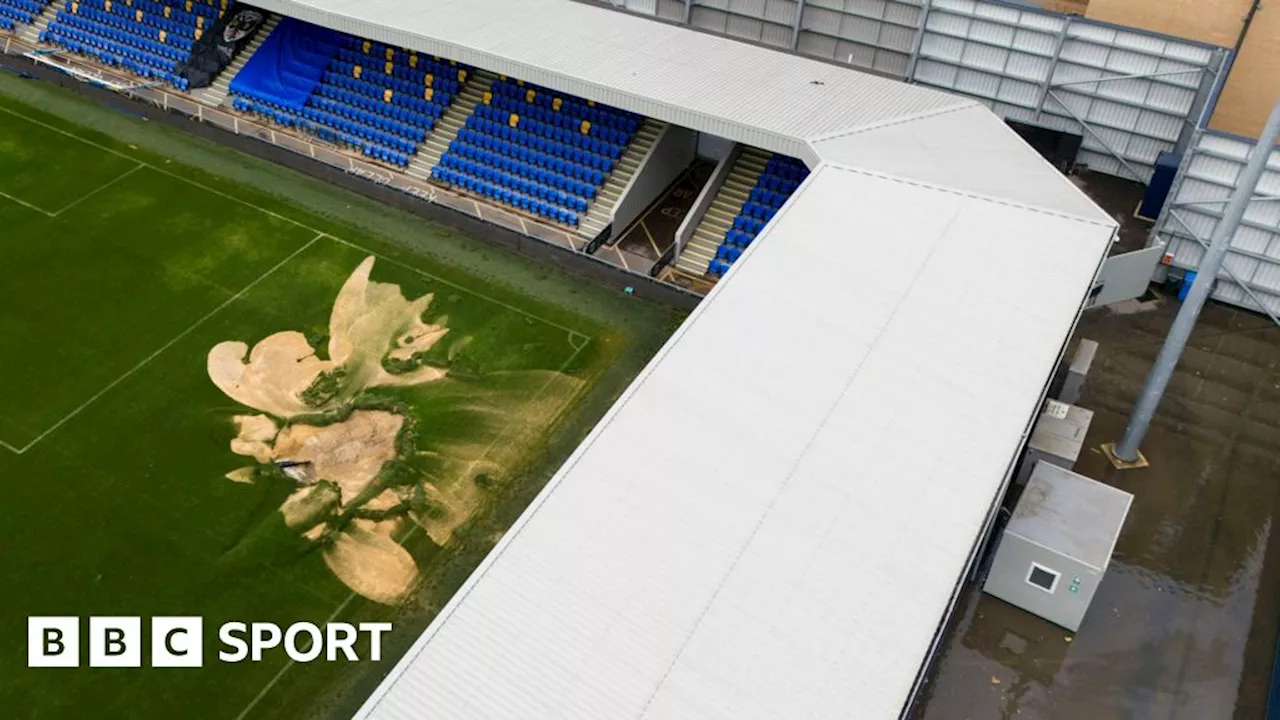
<point x="1043" y="93"/>
<point x="1126" y="451"/>
<point x="918" y="40"/>
<point x="795" y="29"/>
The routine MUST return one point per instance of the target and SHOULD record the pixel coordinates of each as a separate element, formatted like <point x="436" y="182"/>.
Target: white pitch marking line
<point x="166" y="346"/>
<point x="100" y="188"/>
<point x="278" y="216"/>
<point x="413" y="529"/>
<point x="26" y="204"/>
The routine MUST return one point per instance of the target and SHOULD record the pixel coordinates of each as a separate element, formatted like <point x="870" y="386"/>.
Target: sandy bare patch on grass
<point x="278" y="370"/>
<point x="350" y="453"/>
<point x="372" y="564"/>
<point x="368" y="319"/>
<point x="241" y="475"/>
<point x="255" y="435"/>
<point x="309" y="506"/>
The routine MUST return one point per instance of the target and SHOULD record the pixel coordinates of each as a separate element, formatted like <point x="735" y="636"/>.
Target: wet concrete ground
<point x="1184" y="625"/>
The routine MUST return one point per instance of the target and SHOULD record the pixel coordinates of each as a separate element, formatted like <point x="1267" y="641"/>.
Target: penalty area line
<point x="277" y="216"/>
<point x="100" y="188"/>
<point x="409" y="534"/>
<point x="143" y="363"/>
<point x="26" y="204"/>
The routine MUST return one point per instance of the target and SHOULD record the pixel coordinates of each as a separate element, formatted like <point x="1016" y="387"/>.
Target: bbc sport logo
<point x="178" y="642"/>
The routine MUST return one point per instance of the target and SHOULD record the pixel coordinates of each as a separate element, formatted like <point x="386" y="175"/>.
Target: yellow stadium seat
<point x="413" y="61"/>
<point x="389" y="67"/>
<point x="163" y="35"/>
<point x="529" y="95"/>
<point x="487" y="97"/>
<point x="387" y="95"/>
<point x="555" y="104"/>
<point x="137" y="16"/>
<point x="188" y="6"/>
<point x="429" y="79"/>
<point x="391" y="53"/>
<point x="514" y="120"/>
<point x="365" y="47"/>
<point x="107" y="5"/>
<point x="199" y="33"/>
<point x="585" y="128"/>
<point x="428" y="93"/>
<point x="503" y="78"/>
<point x="520" y="82"/>
<point x="75" y="8"/>
<point x="166" y="11"/>
<point x="200" y="21"/>
<point x="462" y="76"/>
<point x="591" y="103"/>
<point x="355" y="71"/>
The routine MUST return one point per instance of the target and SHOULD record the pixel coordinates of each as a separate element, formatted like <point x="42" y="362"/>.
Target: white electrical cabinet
<point x="1057" y="545"/>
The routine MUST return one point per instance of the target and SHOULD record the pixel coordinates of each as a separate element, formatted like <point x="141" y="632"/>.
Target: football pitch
<point x="216" y="402"/>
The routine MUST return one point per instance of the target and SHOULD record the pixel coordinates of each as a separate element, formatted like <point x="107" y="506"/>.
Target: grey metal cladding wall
<point x="671" y="10"/>
<point x="1251" y="272"/>
<point x="768" y="22"/>
<point x="665" y="9"/>
<point x="872" y="34"/>
<point x="1130" y="94"/>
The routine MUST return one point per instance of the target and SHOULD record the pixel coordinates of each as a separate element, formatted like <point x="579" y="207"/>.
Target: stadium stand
<point x="13" y="12"/>
<point x="537" y="150"/>
<point x="150" y="39"/>
<point x="758" y="185"/>
<point x="380" y="100"/>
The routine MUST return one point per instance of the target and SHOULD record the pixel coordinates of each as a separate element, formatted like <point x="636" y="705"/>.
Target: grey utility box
<point x="1057" y="545"/>
<point x="1057" y="438"/>
<point x="1078" y="372"/>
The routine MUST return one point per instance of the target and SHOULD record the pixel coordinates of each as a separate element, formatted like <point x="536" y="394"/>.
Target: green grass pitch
<point x="120" y="269"/>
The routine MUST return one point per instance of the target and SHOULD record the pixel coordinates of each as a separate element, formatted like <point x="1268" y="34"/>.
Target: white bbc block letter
<point x="177" y="642"/>
<point x="53" y="642"/>
<point x="115" y="642"/>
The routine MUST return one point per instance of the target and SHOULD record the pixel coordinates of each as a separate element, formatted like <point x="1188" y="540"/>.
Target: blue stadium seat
<point x="152" y="40"/>
<point x="374" y="98"/>
<point x="780" y="178"/>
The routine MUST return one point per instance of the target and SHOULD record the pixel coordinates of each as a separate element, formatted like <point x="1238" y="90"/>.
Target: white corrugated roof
<point x="713" y="84"/>
<point x="772" y="521"/>
<point x="968" y="148"/>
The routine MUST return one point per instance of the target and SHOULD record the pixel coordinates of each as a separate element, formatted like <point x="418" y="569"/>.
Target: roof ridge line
<point x="966" y="193"/>
<point x="901" y="120"/>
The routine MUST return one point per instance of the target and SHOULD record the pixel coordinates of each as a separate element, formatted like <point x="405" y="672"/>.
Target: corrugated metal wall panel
<point x="1209" y="173"/>
<point x="1004" y="54"/>
<point x="671" y="10"/>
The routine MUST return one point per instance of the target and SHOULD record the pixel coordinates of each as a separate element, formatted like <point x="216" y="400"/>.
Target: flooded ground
<point x="1184" y="625"/>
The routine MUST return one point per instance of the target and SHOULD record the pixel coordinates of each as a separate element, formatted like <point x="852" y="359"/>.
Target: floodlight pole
<point x="1126" y="451"/>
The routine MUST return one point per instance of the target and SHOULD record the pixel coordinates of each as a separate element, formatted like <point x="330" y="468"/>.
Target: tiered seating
<point x="13" y="12"/>
<point x="537" y="150"/>
<point x="378" y="99"/>
<point x="148" y="38"/>
<point x="781" y="176"/>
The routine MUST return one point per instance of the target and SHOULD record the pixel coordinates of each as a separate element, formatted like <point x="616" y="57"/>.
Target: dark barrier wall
<point x="218" y="46"/>
<point x="578" y="264"/>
